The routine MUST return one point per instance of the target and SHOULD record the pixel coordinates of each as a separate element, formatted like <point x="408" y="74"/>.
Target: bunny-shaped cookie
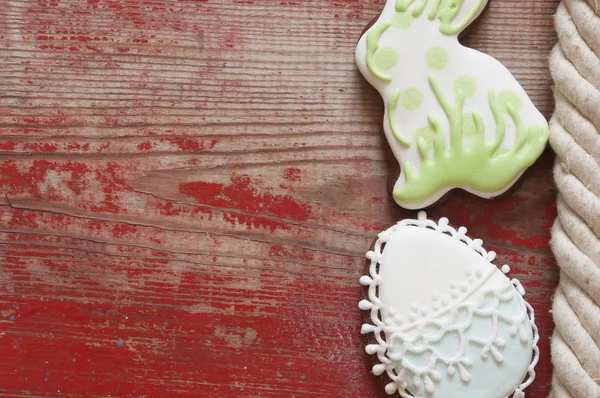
<point x="454" y="117"/>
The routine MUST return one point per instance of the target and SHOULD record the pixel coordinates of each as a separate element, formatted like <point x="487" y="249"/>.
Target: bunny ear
<point x="455" y="15"/>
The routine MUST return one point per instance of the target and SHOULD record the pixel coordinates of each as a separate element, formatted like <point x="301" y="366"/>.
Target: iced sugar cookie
<point x="454" y="117"/>
<point x="446" y="321"/>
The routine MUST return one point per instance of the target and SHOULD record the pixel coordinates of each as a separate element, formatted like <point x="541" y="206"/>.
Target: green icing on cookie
<point x="435" y="5"/>
<point x="406" y="10"/>
<point x="482" y="166"/>
<point x="444" y="10"/>
<point x="402" y="5"/>
<point x="419" y="7"/>
<point x="511" y="98"/>
<point x="412" y="99"/>
<point x="385" y="58"/>
<point x="449" y="9"/>
<point x="465" y="86"/>
<point x="424" y="138"/>
<point x="392" y="106"/>
<point x="402" y="20"/>
<point x="372" y="46"/>
<point x="468" y="125"/>
<point x="436" y="58"/>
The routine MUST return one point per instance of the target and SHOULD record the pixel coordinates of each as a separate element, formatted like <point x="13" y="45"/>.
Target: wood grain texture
<point x="189" y="188"/>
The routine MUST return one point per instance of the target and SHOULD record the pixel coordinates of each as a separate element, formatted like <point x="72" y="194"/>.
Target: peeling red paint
<point x="294" y="252"/>
<point x="8" y="145"/>
<point x="253" y="222"/>
<point x="40" y="147"/>
<point x="18" y="180"/>
<point x="186" y="144"/>
<point x="145" y="146"/>
<point x="242" y="196"/>
<point x="530" y="242"/>
<point x="292" y="174"/>
<point x="120" y="230"/>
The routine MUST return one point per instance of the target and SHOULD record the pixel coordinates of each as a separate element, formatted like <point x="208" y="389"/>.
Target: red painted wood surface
<point x="189" y="187"/>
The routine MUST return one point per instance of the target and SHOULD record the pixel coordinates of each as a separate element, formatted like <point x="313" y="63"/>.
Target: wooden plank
<point x="189" y="187"/>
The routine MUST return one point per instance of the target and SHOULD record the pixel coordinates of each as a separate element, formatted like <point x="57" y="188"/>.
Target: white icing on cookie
<point x="454" y="117"/>
<point x="448" y="323"/>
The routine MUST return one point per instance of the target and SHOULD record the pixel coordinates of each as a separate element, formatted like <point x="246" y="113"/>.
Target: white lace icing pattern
<point x="392" y="352"/>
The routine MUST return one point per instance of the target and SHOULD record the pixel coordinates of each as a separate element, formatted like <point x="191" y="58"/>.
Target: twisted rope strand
<point x="575" y="137"/>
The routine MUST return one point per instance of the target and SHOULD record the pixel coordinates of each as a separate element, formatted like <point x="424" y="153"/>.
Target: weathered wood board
<point x="188" y="189"/>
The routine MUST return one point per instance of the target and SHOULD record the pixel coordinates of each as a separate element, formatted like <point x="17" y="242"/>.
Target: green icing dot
<point x="385" y="58"/>
<point x="436" y="58"/>
<point x="402" y="20"/>
<point x="509" y="97"/>
<point x="412" y="99"/>
<point x="465" y="84"/>
<point x="426" y="133"/>
<point x="468" y="125"/>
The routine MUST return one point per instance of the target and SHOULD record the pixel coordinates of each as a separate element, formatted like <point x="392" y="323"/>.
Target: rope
<point x="575" y="137"/>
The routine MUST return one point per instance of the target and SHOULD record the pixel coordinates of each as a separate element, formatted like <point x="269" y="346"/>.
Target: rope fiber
<point x="575" y="137"/>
